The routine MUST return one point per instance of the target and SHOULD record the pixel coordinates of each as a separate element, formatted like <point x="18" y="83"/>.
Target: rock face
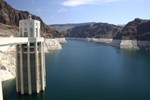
<point x="135" y="30"/>
<point x="11" y="16"/>
<point x="96" y="30"/>
<point x="8" y="30"/>
<point x="91" y="30"/>
<point x="63" y="28"/>
<point x="7" y="62"/>
<point x="52" y="44"/>
<point x="126" y="44"/>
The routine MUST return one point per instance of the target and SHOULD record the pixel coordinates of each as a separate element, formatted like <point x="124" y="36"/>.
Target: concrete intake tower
<point x="30" y="59"/>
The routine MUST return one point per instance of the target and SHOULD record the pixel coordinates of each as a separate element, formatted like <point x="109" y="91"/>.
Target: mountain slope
<point x="137" y="29"/>
<point x="94" y="30"/>
<point x="11" y="16"/>
<point x="64" y="27"/>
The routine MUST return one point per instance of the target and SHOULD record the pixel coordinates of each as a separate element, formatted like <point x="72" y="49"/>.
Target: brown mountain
<point x="137" y="29"/>
<point x="10" y="17"/>
<point x="63" y="28"/>
<point x="94" y="30"/>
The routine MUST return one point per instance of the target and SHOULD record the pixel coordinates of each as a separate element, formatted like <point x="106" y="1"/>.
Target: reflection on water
<point x="9" y="92"/>
<point x="40" y="96"/>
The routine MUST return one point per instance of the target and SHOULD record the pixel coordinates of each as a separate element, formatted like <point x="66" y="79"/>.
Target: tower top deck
<point x="29" y="27"/>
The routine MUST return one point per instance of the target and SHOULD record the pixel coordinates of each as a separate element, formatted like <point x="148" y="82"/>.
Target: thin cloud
<point x="38" y="11"/>
<point x="32" y="1"/>
<point x="61" y="10"/>
<point x="58" y="12"/>
<point x="73" y="3"/>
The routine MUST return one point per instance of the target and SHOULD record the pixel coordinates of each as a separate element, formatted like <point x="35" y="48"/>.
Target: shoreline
<point x="124" y="44"/>
<point x="53" y="44"/>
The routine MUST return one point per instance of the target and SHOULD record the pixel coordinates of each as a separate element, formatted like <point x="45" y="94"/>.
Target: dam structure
<point x="30" y="59"/>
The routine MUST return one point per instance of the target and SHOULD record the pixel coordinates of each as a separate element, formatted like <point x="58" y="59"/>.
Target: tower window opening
<point x="31" y="32"/>
<point x="32" y="49"/>
<point x="25" y="34"/>
<point x="36" y="32"/>
<point x="21" y="23"/>
<point x="32" y="44"/>
<point x="25" y="29"/>
<point x="20" y="31"/>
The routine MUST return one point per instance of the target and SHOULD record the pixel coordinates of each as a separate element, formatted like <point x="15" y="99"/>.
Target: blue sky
<point x="79" y="11"/>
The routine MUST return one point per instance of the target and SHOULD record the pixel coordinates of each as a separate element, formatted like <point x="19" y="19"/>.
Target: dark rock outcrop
<point x="63" y="27"/>
<point x="135" y="30"/>
<point x="94" y="30"/>
<point x="11" y="16"/>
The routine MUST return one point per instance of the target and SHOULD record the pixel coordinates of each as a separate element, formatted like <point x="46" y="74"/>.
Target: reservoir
<point x="85" y="70"/>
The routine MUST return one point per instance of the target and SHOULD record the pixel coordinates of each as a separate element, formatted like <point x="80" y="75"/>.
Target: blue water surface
<point x="85" y="70"/>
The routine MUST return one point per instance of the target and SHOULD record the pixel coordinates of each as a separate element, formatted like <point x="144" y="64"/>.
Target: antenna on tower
<point x="30" y="16"/>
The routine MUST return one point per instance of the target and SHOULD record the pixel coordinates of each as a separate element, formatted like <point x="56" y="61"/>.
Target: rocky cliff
<point x="63" y="28"/>
<point x="10" y="17"/>
<point x="54" y="44"/>
<point x="137" y="29"/>
<point x="96" y="30"/>
<point x="7" y="62"/>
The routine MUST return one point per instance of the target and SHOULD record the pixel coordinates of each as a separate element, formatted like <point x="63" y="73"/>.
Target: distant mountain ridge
<point x="88" y="30"/>
<point x="64" y="27"/>
<point x="11" y="16"/>
<point x="138" y="29"/>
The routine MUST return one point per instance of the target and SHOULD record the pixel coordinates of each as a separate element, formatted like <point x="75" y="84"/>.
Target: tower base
<point x="30" y="70"/>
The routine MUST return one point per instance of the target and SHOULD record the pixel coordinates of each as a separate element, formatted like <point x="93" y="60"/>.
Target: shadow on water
<point x="40" y="96"/>
<point x="9" y="92"/>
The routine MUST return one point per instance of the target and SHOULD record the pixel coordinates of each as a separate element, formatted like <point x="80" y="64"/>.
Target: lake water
<point x="85" y="70"/>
